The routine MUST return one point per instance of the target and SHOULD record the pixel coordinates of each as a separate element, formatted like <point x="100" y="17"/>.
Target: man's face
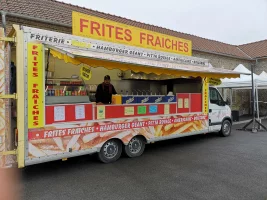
<point x="107" y="82"/>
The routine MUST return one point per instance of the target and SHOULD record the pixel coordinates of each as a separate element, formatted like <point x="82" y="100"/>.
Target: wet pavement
<point x="197" y="167"/>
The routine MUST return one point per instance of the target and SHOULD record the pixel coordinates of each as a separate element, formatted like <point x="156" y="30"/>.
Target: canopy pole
<point x="254" y="128"/>
<point x="253" y="100"/>
<point x="231" y="96"/>
<point x="257" y="102"/>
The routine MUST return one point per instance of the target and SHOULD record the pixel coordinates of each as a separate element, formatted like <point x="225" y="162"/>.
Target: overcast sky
<point x="230" y="21"/>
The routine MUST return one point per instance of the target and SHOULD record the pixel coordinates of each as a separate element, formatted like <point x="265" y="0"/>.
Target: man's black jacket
<point x="104" y="93"/>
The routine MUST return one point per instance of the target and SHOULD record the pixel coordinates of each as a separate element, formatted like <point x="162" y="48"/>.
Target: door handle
<point x="210" y="110"/>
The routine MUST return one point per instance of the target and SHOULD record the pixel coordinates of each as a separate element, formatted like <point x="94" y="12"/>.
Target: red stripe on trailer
<point x="69" y="113"/>
<point x="110" y="125"/>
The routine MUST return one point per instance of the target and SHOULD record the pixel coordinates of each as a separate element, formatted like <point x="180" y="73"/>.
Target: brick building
<point x="57" y="16"/>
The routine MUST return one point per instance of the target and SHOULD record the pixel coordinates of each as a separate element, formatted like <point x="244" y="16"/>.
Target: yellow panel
<point x="205" y="95"/>
<point x="35" y="86"/>
<point x="107" y="30"/>
<point x="20" y="95"/>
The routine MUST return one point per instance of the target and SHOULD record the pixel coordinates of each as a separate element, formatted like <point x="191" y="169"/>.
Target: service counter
<point x="74" y="112"/>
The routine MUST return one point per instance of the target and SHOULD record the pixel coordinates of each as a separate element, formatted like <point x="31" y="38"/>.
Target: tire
<point x="226" y="128"/>
<point x="135" y="147"/>
<point x="110" y="151"/>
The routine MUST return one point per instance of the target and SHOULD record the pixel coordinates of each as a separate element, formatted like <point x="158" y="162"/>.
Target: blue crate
<point x="169" y="99"/>
<point x="156" y="99"/>
<point x="143" y="99"/>
<point x="129" y="99"/>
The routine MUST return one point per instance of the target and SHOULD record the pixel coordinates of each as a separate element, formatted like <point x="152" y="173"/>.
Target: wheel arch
<point x="125" y="142"/>
<point x="138" y="135"/>
<point x="143" y="137"/>
<point x="227" y="118"/>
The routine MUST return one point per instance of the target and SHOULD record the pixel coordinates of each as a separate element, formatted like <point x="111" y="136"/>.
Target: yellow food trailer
<point x="55" y="115"/>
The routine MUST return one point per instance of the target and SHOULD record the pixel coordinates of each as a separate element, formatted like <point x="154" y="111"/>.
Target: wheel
<point x="110" y="151"/>
<point x="226" y="128"/>
<point x="135" y="147"/>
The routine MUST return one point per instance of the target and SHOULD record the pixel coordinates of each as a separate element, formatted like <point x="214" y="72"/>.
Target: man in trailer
<point x="105" y="91"/>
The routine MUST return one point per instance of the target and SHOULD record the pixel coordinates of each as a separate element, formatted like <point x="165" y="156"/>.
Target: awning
<point x="244" y="80"/>
<point x="77" y="56"/>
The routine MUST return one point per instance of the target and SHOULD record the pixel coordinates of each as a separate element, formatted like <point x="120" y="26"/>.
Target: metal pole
<point x="231" y="97"/>
<point x="257" y="101"/>
<point x="253" y="99"/>
<point x="3" y="14"/>
<point x="254" y="120"/>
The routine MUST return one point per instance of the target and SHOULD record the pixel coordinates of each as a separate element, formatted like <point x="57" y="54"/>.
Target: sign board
<point x="35" y="86"/>
<point x="214" y="81"/>
<point x="90" y="44"/>
<point x="106" y="30"/>
<point x="86" y="73"/>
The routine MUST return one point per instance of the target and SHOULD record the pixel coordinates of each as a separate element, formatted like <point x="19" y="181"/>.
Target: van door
<point x="217" y="110"/>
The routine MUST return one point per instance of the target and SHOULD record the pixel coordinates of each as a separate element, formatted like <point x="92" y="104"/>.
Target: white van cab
<point x="219" y="113"/>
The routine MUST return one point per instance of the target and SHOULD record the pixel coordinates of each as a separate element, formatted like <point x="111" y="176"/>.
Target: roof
<point x="256" y="49"/>
<point x="60" y="12"/>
